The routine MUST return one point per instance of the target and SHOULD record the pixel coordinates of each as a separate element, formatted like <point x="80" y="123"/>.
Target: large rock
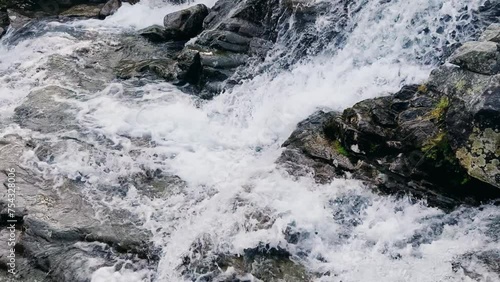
<point x="36" y="9"/>
<point x="237" y="33"/>
<point x="407" y="141"/>
<point x="110" y="8"/>
<point x="262" y="263"/>
<point x="58" y="236"/>
<point x="481" y="57"/>
<point x="83" y="11"/>
<point x="66" y="8"/>
<point x="187" y="23"/>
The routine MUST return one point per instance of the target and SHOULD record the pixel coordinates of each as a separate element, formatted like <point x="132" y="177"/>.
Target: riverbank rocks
<point x="31" y="9"/>
<point x="406" y="142"/>
<point x="187" y="23"/>
<point x="492" y="33"/>
<point x="239" y="33"/>
<point x="186" y="68"/>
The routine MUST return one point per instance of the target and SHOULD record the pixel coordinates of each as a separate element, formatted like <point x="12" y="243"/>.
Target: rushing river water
<point x="224" y="150"/>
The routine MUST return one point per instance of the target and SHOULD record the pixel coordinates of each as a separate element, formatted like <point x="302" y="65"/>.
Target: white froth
<point x="225" y="150"/>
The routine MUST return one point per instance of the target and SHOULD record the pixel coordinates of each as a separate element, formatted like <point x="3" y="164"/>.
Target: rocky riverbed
<point x="176" y="151"/>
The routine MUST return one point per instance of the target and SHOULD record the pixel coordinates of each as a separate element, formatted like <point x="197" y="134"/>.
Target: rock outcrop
<point x="187" y="23"/>
<point x="233" y="34"/>
<point x="439" y="140"/>
<point x="58" y="237"/>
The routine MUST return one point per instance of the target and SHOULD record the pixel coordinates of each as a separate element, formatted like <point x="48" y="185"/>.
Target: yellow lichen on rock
<point x="481" y="156"/>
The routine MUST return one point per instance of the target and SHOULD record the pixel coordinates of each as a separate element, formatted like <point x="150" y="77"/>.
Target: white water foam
<point x="225" y="150"/>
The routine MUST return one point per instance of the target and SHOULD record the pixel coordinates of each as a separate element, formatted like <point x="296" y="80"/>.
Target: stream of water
<point x="225" y="149"/>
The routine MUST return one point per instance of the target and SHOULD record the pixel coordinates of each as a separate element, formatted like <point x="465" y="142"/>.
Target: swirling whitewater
<point x="225" y="148"/>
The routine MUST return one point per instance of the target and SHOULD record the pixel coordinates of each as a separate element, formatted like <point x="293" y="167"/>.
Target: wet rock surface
<point x="58" y="237"/>
<point x="110" y="8"/>
<point x="230" y="35"/>
<point x="186" y="23"/>
<point x="399" y="144"/>
<point x="22" y="12"/>
<point x="265" y="263"/>
<point x="83" y="11"/>
<point x="406" y="142"/>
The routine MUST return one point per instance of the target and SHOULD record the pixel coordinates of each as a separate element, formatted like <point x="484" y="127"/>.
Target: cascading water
<point x="232" y="195"/>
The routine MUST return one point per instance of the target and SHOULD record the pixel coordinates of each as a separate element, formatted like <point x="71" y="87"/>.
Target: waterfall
<point x="221" y="191"/>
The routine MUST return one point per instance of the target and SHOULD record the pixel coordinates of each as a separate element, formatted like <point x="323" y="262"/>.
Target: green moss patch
<point x="337" y="146"/>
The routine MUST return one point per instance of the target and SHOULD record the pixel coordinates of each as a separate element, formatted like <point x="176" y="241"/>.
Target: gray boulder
<point x="165" y="68"/>
<point x="480" y="57"/>
<point x="186" y="23"/>
<point x="405" y="142"/>
<point x="110" y="8"/>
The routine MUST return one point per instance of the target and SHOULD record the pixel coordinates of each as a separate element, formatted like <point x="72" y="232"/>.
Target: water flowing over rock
<point x="176" y="152"/>
<point x="480" y="57"/>
<point x="186" y="23"/>
<point x="406" y="142"/>
<point x="110" y="8"/>
<point x="57" y="231"/>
